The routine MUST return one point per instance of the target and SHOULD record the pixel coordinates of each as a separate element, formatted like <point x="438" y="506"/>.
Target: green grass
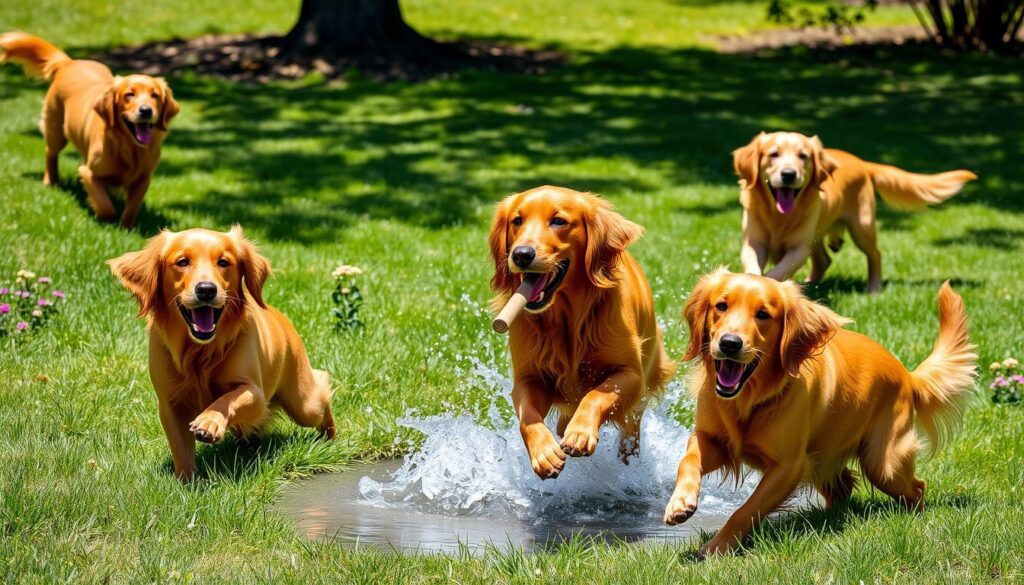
<point x="401" y="179"/>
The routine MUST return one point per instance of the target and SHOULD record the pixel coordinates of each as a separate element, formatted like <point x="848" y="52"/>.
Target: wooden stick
<point x="514" y="306"/>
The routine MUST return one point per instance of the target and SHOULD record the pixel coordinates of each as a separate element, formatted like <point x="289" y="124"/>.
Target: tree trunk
<point x="332" y="28"/>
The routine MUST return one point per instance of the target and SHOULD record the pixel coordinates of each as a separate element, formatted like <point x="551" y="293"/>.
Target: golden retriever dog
<point x="117" y="123"/>
<point x="795" y="193"/>
<point x="589" y="344"/>
<point x="218" y="354"/>
<point x="781" y="387"/>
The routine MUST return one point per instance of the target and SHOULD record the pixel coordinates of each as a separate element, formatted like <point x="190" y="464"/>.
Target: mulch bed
<point x="259" y="59"/>
<point x="820" y="39"/>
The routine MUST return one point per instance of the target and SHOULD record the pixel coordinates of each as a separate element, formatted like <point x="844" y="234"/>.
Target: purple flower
<point x="4" y="290"/>
<point x="59" y="294"/>
<point x="44" y="302"/>
<point x="4" y="309"/>
<point x="44" y="280"/>
<point x="21" y="326"/>
<point x="22" y="293"/>
<point x="1017" y="378"/>
<point x="1002" y="382"/>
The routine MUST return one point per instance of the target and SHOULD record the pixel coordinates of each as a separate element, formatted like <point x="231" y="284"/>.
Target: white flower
<point x="346" y="270"/>
<point x="1010" y="363"/>
<point x="995" y="366"/>
<point x="346" y="290"/>
<point x="37" y="313"/>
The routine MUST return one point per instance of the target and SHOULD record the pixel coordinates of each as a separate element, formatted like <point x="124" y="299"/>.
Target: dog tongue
<point x="202" y="318"/>
<point x="785" y="199"/>
<point x="729" y="373"/>
<point x="539" y="282"/>
<point x="144" y="132"/>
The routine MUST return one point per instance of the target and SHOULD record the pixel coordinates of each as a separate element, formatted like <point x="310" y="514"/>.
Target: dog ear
<point x="747" y="162"/>
<point x="106" y="104"/>
<point x="255" y="267"/>
<point x="503" y="280"/>
<point x="608" y="236"/>
<point x="169" y="107"/>
<point x="696" y="310"/>
<point x="824" y="165"/>
<point x="139" y="272"/>
<point x="807" y="326"/>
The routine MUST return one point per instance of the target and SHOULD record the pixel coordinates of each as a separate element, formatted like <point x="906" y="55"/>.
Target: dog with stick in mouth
<point x="588" y="344"/>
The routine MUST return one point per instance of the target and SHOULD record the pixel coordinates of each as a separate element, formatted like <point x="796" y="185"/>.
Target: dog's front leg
<point x="133" y="202"/>
<point x="245" y="406"/>
<point x="180" y="439"/>
<point x="703" y="455"/>
<point x="777" y="484"/>
<point x="532" y="401"/>
<point x="795" y="258"/>
<point x="615" y="396"/>
<point x="96" y="189"/>
<point x="753" y="256"/>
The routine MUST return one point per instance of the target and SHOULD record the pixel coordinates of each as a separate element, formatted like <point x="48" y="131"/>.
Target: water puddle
<point x="469" y="486"/>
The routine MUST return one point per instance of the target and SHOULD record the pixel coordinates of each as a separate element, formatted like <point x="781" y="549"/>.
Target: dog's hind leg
<point x="888" y="460"/>
<point x="51" y="124"/>
<point x="310" y="406"/>
<point x="837" y="489"/>
<point x="864" y="231"/>
<point x="820" y="261"/>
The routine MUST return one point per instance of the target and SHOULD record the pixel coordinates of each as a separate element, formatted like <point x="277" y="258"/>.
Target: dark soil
<point x="259" y="59"/>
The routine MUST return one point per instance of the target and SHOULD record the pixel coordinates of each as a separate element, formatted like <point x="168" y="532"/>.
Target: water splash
<point x="478" y="466"/>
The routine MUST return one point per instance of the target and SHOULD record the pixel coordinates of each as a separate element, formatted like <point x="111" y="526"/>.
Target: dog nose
<point x="523" y="256"/>
<point x="730" y="344"/>
<point x="788" y="175"/>
<point x="146" y="111"/>
<point x="206" y="291"/>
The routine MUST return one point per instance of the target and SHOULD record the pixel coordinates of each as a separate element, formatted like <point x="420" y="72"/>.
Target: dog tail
<point x="944" y="381"/>
<point x="913" y="191"/>
<point x="38" y="57"/>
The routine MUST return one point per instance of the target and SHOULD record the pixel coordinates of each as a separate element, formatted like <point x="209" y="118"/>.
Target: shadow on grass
<point x="237" y="459"/>
<point x="996" y="238"/>
<point x="840" y="285"/>
<point x="302" y="161"/>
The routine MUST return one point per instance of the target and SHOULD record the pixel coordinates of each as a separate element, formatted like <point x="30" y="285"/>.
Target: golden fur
<point x="836" y="193"/>
<point x="254" y="357"/>
<point x="817" y="396"/>
<point x="594" y="351"/>
<point x="98" y="113"/>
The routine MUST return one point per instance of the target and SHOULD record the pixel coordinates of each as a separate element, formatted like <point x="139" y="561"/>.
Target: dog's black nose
<point x="146" y="111"/>
<point x="730" y="344"/>
<point x="523" y="256"/>
<point x="206" y="291"/>
<point x="788" y="175"/>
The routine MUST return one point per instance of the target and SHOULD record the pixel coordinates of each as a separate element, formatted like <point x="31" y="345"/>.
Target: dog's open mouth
<point x="142" y="132"/>
<point x="544" y="286"/>
<point x="202" y="321"/>
<point x="731" y="375"/>
<point x="785" y="198"/>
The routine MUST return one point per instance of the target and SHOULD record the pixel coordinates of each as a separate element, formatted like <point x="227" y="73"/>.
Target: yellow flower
<point x="37" y="313"/>
<point x="995" y="366"/>
<point x="1010" y="363"/>
<point x="346" y="270"/>
<point x="346" y="290"/>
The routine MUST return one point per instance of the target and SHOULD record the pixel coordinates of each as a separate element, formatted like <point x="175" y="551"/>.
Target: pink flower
<point x="4" y="290"/>
<point x="44" y="302"/>
<point x="44" y="280"/>
<point x="59" y="294"/>
<point x="21" y="326"/>
<point x="1017" y="378"/>
<point x="4" y="309"/>
<point x="22" y="293"/>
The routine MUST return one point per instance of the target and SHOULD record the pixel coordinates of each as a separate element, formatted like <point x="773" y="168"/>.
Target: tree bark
<point x="332" y="28"/>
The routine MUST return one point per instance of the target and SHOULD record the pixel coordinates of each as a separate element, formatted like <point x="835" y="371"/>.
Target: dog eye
<point x="558" y="222"/>
<point x="129" y="95"/>
<point x="153" y="95"/>
<point x="762" y="315"/>
<point x="223" y="263"/>
<point x="517" y="221"/>
<point x="773" y="155"/>
<point x="803" y="156"/>
<point x="182" y="262"/>
<point x="721" y="306"/>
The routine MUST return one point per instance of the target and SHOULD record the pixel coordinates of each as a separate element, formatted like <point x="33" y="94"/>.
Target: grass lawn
<point x="400" y="179"/>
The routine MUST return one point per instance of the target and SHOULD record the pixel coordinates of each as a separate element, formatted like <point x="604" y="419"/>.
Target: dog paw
<point x="579" y="443"/>
<point x="209" y="427"/>
<point x="546" y="458"/>
<point x="680" y="508"/>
